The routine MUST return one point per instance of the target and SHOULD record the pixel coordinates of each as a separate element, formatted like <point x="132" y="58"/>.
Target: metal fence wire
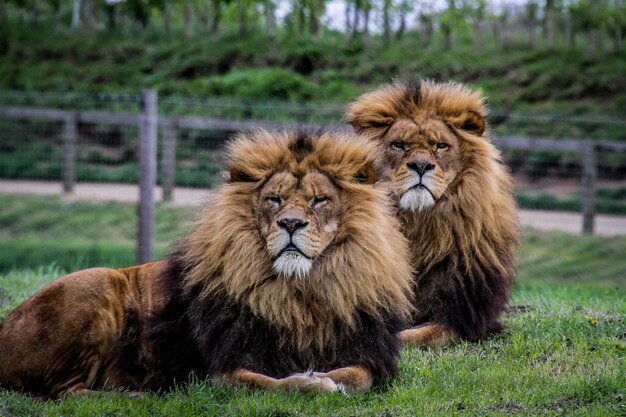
<point x="95" y="138"/>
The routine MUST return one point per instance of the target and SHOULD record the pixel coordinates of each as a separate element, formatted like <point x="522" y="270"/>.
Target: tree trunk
<point x="591" y="42"/>
<point x="618" y="40"/>
<point x="270" y="19"/>
<point x="479" y="41"/>
<point x="348" y="13"/>
<point x="547" y="15"/>
<point x="90" y="15"/>
<point x="366" y="21"/>
<point x="167" y="17"/>
<point x="552" y="30"/>
<point x="76" y="14"/>
<point x="188" y="16"/>
<point x="532" y="38"/>
<point x="570" y="34"/>
<point x="204" y="15"/>
<point x="447" y="36"/>
<point x="111" y="16"/>
<point x="356" y="20"/>
<point x="386" y="21"/>
<point x="241" y="11"/>
<point x="314" y="18"/>
<point x="402" y="27"/>
<point x="300" y="12"/>
<point x="217" y="15"/>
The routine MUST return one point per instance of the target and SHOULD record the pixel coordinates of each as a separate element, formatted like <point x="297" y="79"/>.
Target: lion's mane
<point x="240" y="314"/>
<point x="463" y="248"/>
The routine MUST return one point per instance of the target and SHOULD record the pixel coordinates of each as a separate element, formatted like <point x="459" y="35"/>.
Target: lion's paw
<point x="307" y="381"/>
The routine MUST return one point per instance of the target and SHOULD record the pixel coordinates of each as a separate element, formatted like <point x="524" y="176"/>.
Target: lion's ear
<point x="368" y="122"/>
<point x="240" y="174"/>
<point x="470" y="121"/>
<point x="367" y="174"/>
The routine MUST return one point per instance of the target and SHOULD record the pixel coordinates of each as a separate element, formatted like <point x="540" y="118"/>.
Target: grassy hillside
<point x="562" y="353"/>
<point x="301" y="68"/>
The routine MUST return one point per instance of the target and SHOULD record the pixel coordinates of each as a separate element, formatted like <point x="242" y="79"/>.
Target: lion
<point x="454" y="199"/>
<point x="296" y="275"/>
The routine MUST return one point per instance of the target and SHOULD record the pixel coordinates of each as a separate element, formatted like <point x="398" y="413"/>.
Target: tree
<point x="552" y="16"/>
<point x="76" y="14"/>
<point x="587" y="17"/>
<point x="270" y="17"/>
<point x="615" y="22"/>
<point x="450" y="19"/>
<point x="305" y="16"/>
<point x="476" y="10"/>
<point x="531" y="18"/>
<point x="387" y="5"/>
<point x="426" y="20"/>
<point x="404" y="9"/>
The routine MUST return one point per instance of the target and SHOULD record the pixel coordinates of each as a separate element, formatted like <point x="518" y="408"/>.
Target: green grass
<point x="562" y="353"/>
<point x="37" y="230"/>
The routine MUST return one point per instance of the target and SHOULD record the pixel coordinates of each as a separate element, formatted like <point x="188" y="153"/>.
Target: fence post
<point x="590" y="170"/>
<point x="168" y="162"/>
<point x="70" y="135"/>
<point x="148" y="128"/>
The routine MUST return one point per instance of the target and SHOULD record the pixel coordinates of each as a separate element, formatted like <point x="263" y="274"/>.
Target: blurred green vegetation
<point x="39" y="230"/>
<point x="299" y="68"/>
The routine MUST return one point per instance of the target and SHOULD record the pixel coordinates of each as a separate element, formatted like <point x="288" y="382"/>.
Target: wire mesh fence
<point x="97" y="136"/>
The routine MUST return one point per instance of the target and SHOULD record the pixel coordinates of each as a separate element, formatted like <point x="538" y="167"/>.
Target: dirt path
<point x="606" y="225"/>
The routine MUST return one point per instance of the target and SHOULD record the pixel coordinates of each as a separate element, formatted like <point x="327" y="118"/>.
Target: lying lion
<point x="453" y="198"/>
<point x="295" y="276"/>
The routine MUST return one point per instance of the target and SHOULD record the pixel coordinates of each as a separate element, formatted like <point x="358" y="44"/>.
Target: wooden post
<point x="147" y="175"/>
<point x="168" y="161"/>
<point x="70" y="135"/>
<point x="590" y="170"/>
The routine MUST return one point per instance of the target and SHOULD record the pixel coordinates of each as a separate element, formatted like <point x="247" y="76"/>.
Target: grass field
<point x="563" y="352"/>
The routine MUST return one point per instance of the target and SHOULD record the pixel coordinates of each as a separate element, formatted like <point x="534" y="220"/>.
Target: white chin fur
<point x="292" y="265"/>
<point x="417" y="200"/>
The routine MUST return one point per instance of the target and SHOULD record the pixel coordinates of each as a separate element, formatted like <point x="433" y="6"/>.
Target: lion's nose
<point x="420" y="168"/>
<point x="292" y="224"/>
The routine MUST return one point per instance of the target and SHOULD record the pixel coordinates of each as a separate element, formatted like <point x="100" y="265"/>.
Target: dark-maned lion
<point x="453" y="197"/>
<point x="296" y="275"/>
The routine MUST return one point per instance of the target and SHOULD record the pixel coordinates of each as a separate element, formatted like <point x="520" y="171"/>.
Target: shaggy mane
<point x="226" y="255"/>
<point x="462" y="248"/>
<point x="374" y="112"/>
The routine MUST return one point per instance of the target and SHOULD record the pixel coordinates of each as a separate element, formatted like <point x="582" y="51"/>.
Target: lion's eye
<point x="398" y="145"/>
<point x="318" y="200"/>
<point x="275" y="200"/>
<point x="442" y="145"/>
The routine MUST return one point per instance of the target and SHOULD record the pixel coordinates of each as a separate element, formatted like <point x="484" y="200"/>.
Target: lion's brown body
<point x="221" y="305"/>
<point x="80" y="332"/>
<point x="463" y="240"/>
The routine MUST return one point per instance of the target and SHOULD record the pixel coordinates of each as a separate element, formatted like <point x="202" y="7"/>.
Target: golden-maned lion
<point x="296" y="275"/>
<point x="453" y="197"/>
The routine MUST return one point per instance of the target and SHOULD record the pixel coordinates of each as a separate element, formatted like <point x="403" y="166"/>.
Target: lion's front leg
<point x="351" y="378"/>
<point x="428" y="335"/>
<point x="307" y="381"/>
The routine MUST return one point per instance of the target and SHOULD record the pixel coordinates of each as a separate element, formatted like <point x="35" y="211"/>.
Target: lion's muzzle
<point x="418" y="186"/>
<point x="291" y="245"/>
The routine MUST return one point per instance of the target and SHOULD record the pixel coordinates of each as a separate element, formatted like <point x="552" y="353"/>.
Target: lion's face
<point x="298" y="219"/>
<point x="428" y="131"/>
<point x="424" y="158"/>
